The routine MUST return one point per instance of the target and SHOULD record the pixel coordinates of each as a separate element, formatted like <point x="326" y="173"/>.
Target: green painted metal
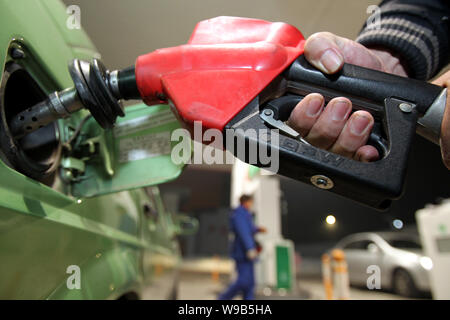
<point x="43" y="230"/>
<point x="33" y="23"/>
<point x="136" y="153"/>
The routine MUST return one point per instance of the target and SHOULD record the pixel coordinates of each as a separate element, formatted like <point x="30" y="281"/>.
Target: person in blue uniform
<point x="243" y="250"/>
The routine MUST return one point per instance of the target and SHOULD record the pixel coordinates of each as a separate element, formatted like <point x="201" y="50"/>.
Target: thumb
<point x="328" y="52"/>
<point x="323" y="53"/>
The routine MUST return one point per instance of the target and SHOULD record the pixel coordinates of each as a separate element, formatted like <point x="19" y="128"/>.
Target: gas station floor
<point x="205" y="278"/>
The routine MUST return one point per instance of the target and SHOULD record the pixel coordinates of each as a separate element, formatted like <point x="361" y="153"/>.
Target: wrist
<point x="390" y="61"/>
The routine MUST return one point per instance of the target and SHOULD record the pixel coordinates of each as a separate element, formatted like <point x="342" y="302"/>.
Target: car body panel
<point x="44" y="230"/>
<point x="38" y="242"/>
<point x="33" y="22"/>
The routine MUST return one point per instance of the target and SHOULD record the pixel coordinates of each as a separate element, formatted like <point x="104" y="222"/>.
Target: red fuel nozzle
<point x="224" y="66"/>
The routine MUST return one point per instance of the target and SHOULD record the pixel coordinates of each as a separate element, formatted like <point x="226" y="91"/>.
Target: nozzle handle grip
<point x="373" y="85"/>
<point x="384" y="95"/>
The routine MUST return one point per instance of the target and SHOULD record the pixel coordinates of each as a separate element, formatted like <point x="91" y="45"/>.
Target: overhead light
<point x="330" y="219"/>
<point x="398" y="224"/>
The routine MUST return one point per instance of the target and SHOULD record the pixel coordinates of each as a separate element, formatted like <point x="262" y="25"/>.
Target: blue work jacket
<point x="243" y="228"/>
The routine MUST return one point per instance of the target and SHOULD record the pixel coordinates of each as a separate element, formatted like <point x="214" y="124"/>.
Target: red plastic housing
<point x="224" y="66"/>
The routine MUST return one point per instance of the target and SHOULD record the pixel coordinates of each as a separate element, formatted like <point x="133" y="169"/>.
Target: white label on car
<point x="144" y="146"/>
<point x="143" y="123"/>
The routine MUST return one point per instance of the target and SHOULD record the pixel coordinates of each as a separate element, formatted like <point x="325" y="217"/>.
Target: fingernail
<point x="331" y="61"/>
<point x="314" y="106"/>
<point x="359" y="125"/>
<point x="340" y="110"/>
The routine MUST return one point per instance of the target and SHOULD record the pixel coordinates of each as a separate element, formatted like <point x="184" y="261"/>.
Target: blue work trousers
<point x="245" y="282"/>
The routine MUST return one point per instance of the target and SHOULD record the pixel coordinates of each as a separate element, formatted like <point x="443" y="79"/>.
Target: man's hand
<point x="252" y="254"/>
<point x="334" y="128"/>
<point x="444" y="81"/>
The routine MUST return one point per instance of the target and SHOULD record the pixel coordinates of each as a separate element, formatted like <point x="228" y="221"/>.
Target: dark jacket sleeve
<point x="242" y="231"/>
<point x="416" y="30"/>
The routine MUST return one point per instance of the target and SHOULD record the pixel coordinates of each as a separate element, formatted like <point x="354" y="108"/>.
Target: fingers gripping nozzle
<point x="95" y="88"/>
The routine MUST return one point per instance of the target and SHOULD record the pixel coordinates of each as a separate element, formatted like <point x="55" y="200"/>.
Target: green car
<point x="75" y="219"/>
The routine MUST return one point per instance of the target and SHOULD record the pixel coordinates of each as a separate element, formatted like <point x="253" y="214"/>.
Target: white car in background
<point x="403" y="267"/>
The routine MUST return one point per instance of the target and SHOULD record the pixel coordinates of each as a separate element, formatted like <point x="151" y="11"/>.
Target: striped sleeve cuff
<point x="415" y="43"/>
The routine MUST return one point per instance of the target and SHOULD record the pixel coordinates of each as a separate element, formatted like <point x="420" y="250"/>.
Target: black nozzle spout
<point x="95" y="88"/>
<point x="127" y="84"/>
